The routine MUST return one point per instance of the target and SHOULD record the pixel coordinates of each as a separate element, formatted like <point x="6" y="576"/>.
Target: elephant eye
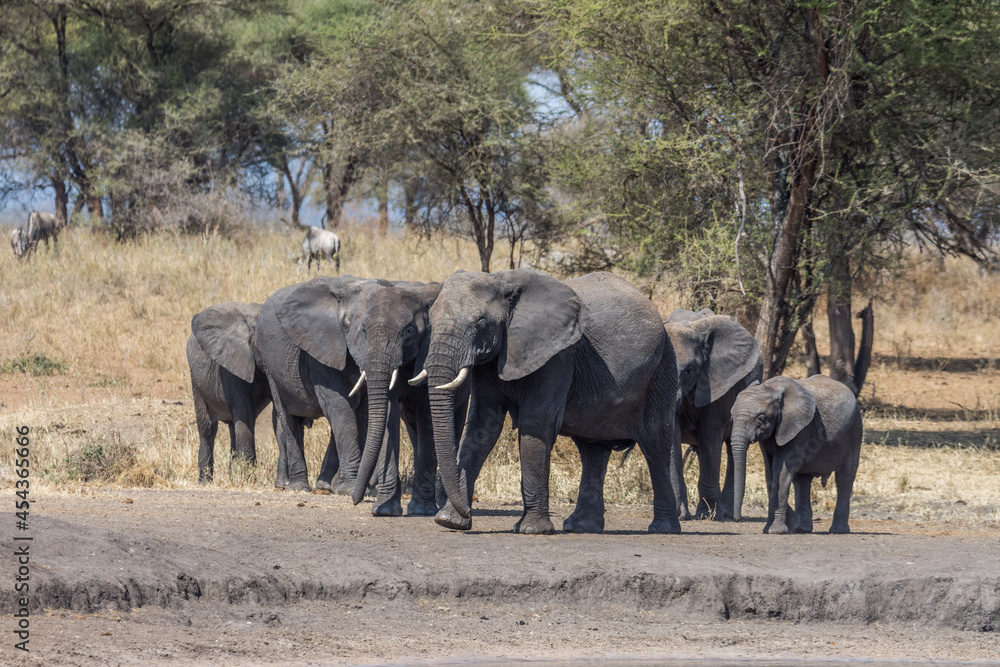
<point x="409" y="331"/>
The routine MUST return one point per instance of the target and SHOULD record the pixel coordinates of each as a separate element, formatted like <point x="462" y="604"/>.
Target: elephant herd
<point x="588" y="358"/>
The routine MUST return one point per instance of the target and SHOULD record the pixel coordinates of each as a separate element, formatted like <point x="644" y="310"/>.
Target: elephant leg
<point x="728" y="502"/>
<point x="803" y="502"/>
<point x="588" y="517"/>
<point x="232" y="446"/>
<point x="484" y="426"/>
<point x="785" y="520"/>
<point x="345" y="434"/>
<point x="330" y="466"/>
<point x="844" y="477"/>
<point x="709" y="466"/>
<point x="207" y="429"/>
<point x="243" y="442"/>
<point x="535" y="442"/>
<point x="677" y="476"/>
<point x="422" y="499"/>
<point x="664" y="501"/>
<point x="769" y="486"/>
<point x="387" y="502"/>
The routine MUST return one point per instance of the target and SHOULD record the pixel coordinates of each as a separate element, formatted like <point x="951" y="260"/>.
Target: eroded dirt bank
<point x="222" y="575"/>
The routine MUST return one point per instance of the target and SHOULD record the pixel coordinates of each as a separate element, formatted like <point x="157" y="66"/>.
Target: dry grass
<point x="92" y="358"/>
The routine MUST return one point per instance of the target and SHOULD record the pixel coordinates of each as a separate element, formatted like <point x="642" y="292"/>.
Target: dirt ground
<point x="238" y="577"/>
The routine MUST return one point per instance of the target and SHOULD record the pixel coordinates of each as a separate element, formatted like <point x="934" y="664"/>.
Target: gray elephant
<point x="587" y="358"/>
<point x="716" y="359"/>
<point x="303" y="348"/>
<point x="806" y="428"/>
<point x="389" y="341"/>
<point x="322" y="341"/>
<point x="226" y="382"/>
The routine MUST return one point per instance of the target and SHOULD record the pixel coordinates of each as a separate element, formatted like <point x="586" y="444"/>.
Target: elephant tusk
<point x="392" y="382"/>
<point x="417" y="380"/>
<point x="459" y="379"/>
<point x="357" y="387"/>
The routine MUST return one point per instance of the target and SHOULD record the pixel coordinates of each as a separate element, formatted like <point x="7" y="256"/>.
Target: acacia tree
<point x="809" y="140"/>
<point x="427" y="93"/>
<point x="86" y="88"/>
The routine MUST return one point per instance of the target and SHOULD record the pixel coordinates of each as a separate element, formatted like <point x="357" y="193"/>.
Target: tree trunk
<point x="95" y="208"/>
<point x="382" y="194"/>
<point x="812" y="355"/>
<point x="864" y="359"/>
<point x="779" y="275"/>
<point x="410" y="204"/>
<point x="838" y="309"/>
<point x="280" y="198"/>
<point x="62" y="200"/>
<point x="336" y="192"/>
<point x="483" y="237"/>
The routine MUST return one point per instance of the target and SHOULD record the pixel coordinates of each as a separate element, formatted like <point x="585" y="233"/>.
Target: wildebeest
<point x="19" y="242"/>
<point x="317" y="244"/>
<point x="42" y="226"/>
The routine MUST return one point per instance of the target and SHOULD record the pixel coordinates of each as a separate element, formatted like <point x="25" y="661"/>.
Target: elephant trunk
<point x="381" y="368"/>
<point x="443" y="368"/>
<point x="740" y="443"/>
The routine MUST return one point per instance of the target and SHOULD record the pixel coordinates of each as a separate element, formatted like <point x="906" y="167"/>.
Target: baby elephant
<point x="806" y="428"/>
<point x="227" y="383"/>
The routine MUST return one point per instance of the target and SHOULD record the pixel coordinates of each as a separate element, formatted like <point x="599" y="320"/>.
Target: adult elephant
<point x="302" y="342"/>
<point x="716" y="359"/>
<point x="227" y="383"/>
<point x="587" y="358"/>
<point x="391" y="338"/>
<point x="325" y="340"/>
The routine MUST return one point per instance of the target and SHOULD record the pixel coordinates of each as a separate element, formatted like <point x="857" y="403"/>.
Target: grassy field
<point x="92" y="359"/>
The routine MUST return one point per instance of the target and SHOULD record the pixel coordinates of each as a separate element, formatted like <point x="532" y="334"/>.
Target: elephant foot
<point x="840" y="529"/>
<point x="776" y="529"/>
<point x="323" y="487"/>
<point x="204" y="479"/>
<point x="683" y="513"/>
<point x="584" y="523"/>
<point x="299" y="485"/>
<point x="344" y="487"/>
<point x="534" y="524"/>
<point x="390" y="507"/>
<point x="449" y="517"/>
<point x="804" y="527"/>
<point x="421" y="507"/>
<point x="665" y="526"/>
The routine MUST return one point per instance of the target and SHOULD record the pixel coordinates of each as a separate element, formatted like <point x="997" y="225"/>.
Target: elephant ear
<point x="224" y="333"/>
<point x="544" y="320"/>
<point x="733" y="354"/>
<point x="311" y="316"/>
<point x="427" y="295"/>
<point x="798" y="406"/>
<point x="682" y="316"/>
